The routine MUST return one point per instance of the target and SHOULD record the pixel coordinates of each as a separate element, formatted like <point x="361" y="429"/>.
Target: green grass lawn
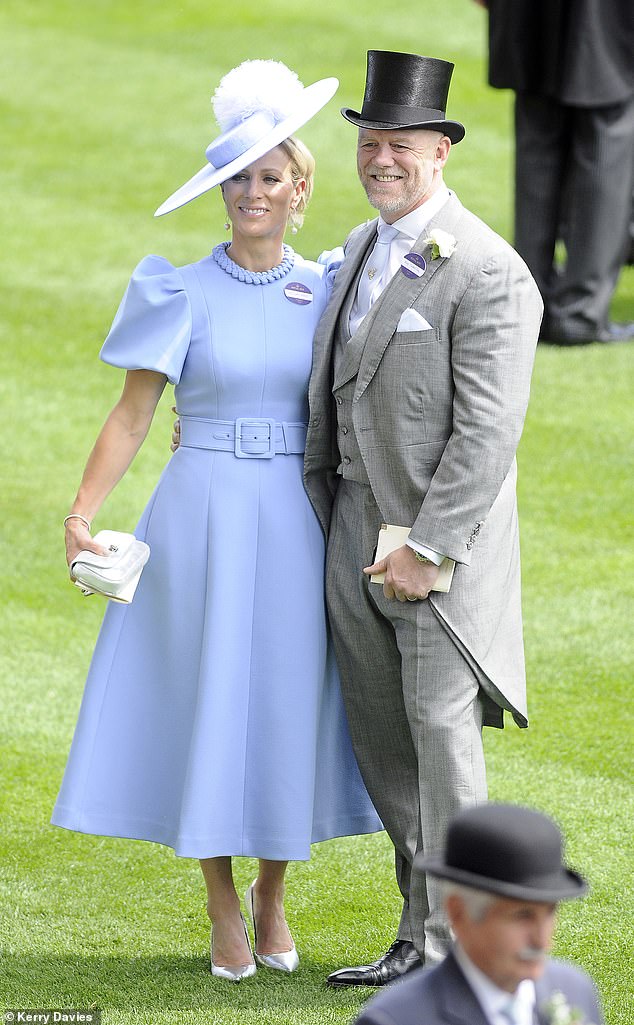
<point x="104" y="113"/>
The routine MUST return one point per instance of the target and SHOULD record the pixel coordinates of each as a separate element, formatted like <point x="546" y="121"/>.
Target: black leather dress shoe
<point x="607" y="335"/>
<point x="400" y="959"/>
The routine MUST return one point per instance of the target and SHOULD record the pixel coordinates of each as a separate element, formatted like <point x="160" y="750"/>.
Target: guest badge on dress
<point x="413" y="265"/>
<point x="298" y="293"/>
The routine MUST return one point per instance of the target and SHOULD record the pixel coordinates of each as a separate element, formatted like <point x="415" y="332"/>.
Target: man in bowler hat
<point x="420" y="383"/>
<point x="503" y="876"/>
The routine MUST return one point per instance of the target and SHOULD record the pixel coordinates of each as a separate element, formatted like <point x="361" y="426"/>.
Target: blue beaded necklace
<point x="253" y="277"/>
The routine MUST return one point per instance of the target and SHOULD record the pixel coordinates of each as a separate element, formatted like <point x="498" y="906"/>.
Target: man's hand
<point x="176" y="432"/>
<point x="406" y="579"/>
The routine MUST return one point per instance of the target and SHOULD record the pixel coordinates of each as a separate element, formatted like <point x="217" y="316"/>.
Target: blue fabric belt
<point x="248" y="437"/>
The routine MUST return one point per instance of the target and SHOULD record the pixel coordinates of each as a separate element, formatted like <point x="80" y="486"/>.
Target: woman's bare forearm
<point x="118" y="442"/>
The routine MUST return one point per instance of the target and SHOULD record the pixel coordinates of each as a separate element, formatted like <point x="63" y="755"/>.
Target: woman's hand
<point x="78" y="539"/>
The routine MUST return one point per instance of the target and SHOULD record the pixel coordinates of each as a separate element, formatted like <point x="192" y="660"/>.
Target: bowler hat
<point x="507" y="850"/>
<point x="405" y="90"/>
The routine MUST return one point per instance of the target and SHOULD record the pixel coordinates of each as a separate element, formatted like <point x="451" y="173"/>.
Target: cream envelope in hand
<point x="413" y="321"/>
<point x="392" y="537"/>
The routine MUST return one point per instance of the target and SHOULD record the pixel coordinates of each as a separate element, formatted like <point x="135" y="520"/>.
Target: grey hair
<point x="476" y="902"/>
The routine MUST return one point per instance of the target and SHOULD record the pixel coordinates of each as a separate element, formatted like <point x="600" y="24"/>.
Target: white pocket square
<point x="412" y="321"/>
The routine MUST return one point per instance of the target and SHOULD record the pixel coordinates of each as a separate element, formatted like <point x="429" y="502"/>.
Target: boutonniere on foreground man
<point x="442" y="243"/>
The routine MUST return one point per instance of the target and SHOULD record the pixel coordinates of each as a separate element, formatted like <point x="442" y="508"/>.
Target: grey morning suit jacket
<point x="442" y="996"/>
<point x="438" y="415"/>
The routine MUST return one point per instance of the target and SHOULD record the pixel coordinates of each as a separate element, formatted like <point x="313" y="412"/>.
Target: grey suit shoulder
<point x="480" y="247"/>
<point x="479" y="243"/>
<point x="442" y="996"/>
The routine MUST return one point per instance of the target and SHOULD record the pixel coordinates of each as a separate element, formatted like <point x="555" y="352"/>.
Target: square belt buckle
<point x="245" y="421"/>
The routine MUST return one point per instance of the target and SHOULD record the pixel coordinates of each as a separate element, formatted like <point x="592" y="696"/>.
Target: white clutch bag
<point x="115" y="575"/>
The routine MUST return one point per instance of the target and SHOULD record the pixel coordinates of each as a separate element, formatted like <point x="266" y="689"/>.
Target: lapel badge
<point x="413" y="265"/>
<point x="298" y="293"/>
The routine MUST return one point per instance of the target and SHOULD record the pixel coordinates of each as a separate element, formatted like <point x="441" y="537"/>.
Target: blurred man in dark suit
<point x="571" y="64"/>
<point x="503" y="876"/>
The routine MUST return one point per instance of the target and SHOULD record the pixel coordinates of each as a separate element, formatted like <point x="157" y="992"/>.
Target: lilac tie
<point x="376" y="271"/>
<point x="510" y="1012"/>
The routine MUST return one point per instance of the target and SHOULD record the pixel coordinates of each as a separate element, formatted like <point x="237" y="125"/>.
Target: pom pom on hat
<point x="256" y="85"/>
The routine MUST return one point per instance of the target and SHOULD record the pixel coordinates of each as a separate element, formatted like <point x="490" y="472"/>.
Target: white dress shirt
<point x="409" y="228"/>
<point x="495" y="1001"/>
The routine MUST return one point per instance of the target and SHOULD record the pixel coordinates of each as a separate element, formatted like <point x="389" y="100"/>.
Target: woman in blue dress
<point x="212" y="719"/>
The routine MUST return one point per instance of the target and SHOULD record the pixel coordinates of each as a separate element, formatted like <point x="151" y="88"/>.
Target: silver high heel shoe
<point x="287" y="960"/>
<point x="243" y="971"/>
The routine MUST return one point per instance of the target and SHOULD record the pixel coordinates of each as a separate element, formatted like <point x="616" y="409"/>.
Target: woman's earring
<point x="227" y="225"/>
<point x="294" y="221"/>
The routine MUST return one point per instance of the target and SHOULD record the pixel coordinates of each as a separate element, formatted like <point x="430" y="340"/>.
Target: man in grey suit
<point x="418" y="393"/>
<point x="503" y="877"/>
<point x="571" y="64"/>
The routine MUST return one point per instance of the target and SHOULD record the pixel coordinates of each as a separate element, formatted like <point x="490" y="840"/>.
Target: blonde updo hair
<point x="302" y="166"/>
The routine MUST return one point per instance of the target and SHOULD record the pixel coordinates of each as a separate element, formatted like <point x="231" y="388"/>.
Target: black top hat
<point x="507" y="850"/>
<point x="405" y="90"/>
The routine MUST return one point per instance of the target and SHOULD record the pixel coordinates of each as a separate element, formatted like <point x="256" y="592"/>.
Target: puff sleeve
<point x="331" y="259"/>
<point x="153" y="325"/>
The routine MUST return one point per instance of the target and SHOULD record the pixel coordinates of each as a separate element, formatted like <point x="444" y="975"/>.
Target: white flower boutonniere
<point x="560" y="1012"/>
<point x="441" y="242"/>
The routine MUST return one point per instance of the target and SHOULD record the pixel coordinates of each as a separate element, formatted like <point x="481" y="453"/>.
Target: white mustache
<point x="531" y="954"/>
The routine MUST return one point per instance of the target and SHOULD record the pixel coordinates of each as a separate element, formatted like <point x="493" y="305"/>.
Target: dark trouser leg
<point x="598" y="207"/>
<point x="541" y="142"/>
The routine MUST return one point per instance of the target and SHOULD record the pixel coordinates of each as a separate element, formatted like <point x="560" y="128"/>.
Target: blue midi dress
<point x="212" y="719"/>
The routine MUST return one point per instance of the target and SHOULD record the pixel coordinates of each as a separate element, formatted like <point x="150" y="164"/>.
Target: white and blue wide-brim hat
<point x="257" y="106"/>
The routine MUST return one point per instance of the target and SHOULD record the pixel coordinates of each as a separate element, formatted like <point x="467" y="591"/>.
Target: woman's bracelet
<point x="77" y="516"/>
